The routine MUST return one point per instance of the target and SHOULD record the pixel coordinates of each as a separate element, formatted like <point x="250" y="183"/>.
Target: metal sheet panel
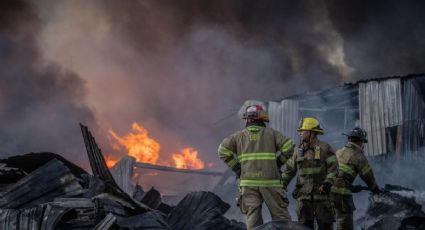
<point x="284" y="117"/>
<point x="414" y="120"/>
<point x="380" y="106"/>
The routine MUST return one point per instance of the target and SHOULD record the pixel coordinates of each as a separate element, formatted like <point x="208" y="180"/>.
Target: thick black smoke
<point x="40" y="102"/>
<point x="194" y="63"/>
<point x="381" y="38"/>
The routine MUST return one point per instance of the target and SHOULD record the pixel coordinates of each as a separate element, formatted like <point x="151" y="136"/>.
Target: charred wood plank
<point x="106" y="223"/>
<point x="52" y="216"/>
<point x="30" y="218"/>
<point x="32" y="161"/>
<point x="201" y="210"/>
<point x="10" y="175"/>
<point x="92" y="185"/>
<point x="42" y="185"/>
<point x="152" y="198"/>
<point x="99" y="168"/>
<point x="148" y="220"/>
<point x="94" y="153"/>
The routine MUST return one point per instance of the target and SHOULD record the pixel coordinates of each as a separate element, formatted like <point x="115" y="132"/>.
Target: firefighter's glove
<point x="325" y="188"/>
<point x="377" y="190"/>
<point x="237" y="170"/>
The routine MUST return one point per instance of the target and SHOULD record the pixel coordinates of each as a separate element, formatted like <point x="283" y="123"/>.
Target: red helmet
<point x="256" y="113"/>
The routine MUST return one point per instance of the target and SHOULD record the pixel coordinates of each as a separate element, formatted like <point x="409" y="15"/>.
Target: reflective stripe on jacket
<point x="352" y="161"/>
<point x="315" y="164"/>
<point x="255" y="149"/>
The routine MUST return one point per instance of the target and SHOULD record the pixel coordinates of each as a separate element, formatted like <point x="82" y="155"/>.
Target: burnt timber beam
<point x="171" y="169"/>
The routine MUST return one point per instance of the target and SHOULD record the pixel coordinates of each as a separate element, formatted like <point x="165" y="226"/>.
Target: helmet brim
<point x="364" y="140"/>
<point x="318" y="131"/>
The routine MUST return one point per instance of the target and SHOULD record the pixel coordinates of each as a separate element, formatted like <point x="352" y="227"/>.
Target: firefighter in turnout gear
<point x="317" y="167"/>
<point x="253" y="154"/>
<point x="351" y="162"/>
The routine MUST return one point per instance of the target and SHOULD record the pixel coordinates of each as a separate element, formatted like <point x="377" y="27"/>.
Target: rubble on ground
<point x="45" y="191"/>
<point x="392" y="211"/>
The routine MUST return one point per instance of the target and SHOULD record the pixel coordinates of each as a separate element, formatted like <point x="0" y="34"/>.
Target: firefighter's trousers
<point x="319" y="210"/>
<point x="344" y="207"/>
<point x="251" y="203"/>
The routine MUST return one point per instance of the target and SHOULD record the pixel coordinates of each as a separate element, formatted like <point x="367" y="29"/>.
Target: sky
<point x="182" y="69"/>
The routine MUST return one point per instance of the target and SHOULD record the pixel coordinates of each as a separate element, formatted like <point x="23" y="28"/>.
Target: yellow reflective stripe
<point x="331" y="159"/>
<point x="290" y="163"/>
<point x="347" y="169"/>
<point x="341" y="190"/>
<point x="309" y="171"/>
<point x="254" y="128"/>
<point x="256" y="156"/>
<point x="286" y="146"/>
<point x="223" y="151"/>
<point x="365" y="169"/>
<point x="232" y="163"/>
<point x="261" y="183"/>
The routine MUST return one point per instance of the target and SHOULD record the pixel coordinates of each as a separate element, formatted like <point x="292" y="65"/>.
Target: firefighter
<point x="253" y="154"/>
<point x="316" y="164"/>
<point x="351" y="162"/>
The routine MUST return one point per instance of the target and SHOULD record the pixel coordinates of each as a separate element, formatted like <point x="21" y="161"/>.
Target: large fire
<point x="188" y="159"/>
<point x="145" y="149"/>
<point x="110" y="160"/>
<point x="138" y="144"/>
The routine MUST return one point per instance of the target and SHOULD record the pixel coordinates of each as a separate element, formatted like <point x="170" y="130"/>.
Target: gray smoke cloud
<point x="381" y="38"/>
<point x="183" y="68"/>
<point x="40" y="102"/>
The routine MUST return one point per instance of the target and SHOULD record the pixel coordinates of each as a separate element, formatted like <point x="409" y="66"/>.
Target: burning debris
<point x="46" y="191"/>
<point x="145" y="149"/>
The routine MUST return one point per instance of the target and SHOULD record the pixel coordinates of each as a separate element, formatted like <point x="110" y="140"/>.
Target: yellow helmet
<point x="310" y="124"/>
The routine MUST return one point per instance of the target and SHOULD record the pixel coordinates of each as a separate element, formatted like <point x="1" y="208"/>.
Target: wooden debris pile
<point x="46" y="191"/>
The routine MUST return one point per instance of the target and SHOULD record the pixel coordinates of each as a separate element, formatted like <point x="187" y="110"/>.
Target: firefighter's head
<point x="357" y="135"/>
<point x="309" y="128"/>
<point x="255" y="113"/>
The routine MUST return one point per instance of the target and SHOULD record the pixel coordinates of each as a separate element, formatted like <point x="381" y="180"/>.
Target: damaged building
<point x="47" y="191"/>
<point x="391" y="110"/>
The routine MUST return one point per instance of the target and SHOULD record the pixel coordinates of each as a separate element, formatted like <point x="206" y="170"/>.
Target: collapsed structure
<point x="391" y="110"/>
<point x="46" y="191"/>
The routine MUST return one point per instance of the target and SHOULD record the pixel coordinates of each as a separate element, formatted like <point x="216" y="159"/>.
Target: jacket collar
<point x="354" y="146"/>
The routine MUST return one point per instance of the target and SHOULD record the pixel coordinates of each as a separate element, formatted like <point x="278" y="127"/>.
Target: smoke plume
<point x="41" y="103"/>
<point x="183" y="68"/>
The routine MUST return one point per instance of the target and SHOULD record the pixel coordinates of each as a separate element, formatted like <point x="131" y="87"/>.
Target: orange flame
<point x="110" y="161"/>
<point x="139" y="145"/>
<point x="145" y="149"/>
<point x="188" y="158"/>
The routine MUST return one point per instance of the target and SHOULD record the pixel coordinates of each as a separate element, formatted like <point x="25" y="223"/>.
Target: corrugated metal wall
<point x="414" y="118"/>
<point x="284" y="117"/>
<point x="380" y="106"/>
